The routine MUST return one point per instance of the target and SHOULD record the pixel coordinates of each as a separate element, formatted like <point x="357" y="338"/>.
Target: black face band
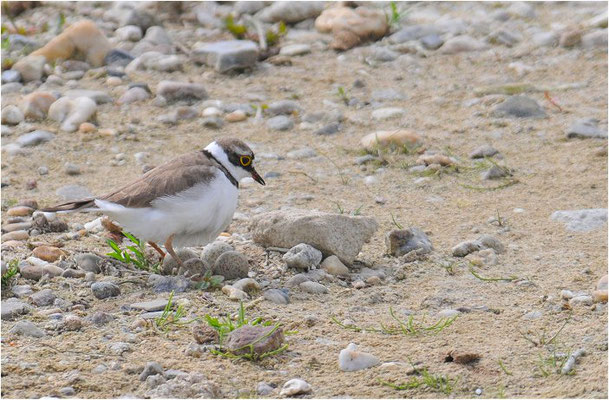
<point x="223" y="169"/>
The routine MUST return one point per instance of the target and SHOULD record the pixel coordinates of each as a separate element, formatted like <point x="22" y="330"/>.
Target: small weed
<point x="343" y="95"/>
<point x="503" y="368"/>
<point x="541" y="339"/>
<point x="6" y="44"/>
<point x="227" y="324"/>
<point x="272" y="37"/>
<point x="438" y="383"/>
<point x="510" y="279"/>
<point x="394" y="18"/>
<point x="343" y="178"/>
<point x="11" y="271"/>
<point x="61" y="22"/>
<point x="409" y="327"/>
<point x="396" y="223"/>
<point x="209" y="281"/>
<point x="553" y="363"/>
<point x="501" y="392"/>
<point x="499" y="220"/>
<point x="171" y="318"/>
<point x="238" y="31"/>
<point x="507" y="183"/>
<point x="354" y="213"/>
<point x="137" y="256"/>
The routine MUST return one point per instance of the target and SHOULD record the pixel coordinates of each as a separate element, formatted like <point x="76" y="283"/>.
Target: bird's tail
<point x="78" y="205"/>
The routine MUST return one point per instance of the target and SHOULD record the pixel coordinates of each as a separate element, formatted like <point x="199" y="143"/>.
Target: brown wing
<point x="165" y="180"/>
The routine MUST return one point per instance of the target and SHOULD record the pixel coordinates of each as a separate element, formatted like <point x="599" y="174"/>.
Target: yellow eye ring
<point x="245" y="160"/>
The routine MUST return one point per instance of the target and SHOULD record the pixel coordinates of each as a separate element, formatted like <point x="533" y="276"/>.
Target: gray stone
<point x="33" y="272"/>
<point x="169" y="264"/>
<point x="256" y="340"/>
<point x="89" y="262"/>
<point x="35" y="138"/>
<point x="133" y="95"/>
<point x="432" y="41"/>
<point x="73" y="192"/>
<point x="118" y="58"/>
<point x="174" y="91"/>
<point x="212" y="122"/>
<point x="297" y="280"/>
<point x="10" y="76"/>
<point x="461" y="44"/>
<point x="337" y="234"/>
<point x="305" y="152"/>
<point x="413" y="32"/>
<point x="303" y="256"/>
<point x="226" y="56"/>
<point x="212" y="251"/>
<point x="67" y="391"/>
<point x="313" y="287"/>
<point x="132" y="33"/>
<point x="334" y="266"/>
<point x="329" y="129"/>
<point x="231" y="265"/>
<point x="595" y="39"/>
<point x="495" y="172"/>
<point x="71" y="168"/>
<point x="151" y="368"/>
<point x="280" y="123"/>
<point x="98" y="96"/>
<point x="483" y="242"/>
<point x="11" y="115"/>
<point x="21" y="291"/>
<point x="283" y="107"/>
<point x="152" y="305"/>
<point x="118" y="348"/>
<point x="161" y="283"/>
<point x="403" y="241"/>
<point x="157" y="35"/>
<point x="388" y="113"/>
<point x="545" y="39"/>
<point x="584" y="220"/>
<point x="519" y="107"/>
<point x="388" y="94"/>
<point x="483" y="151"/>
<point x="277" y="296"/>
<point x="27" y="328"/>
<point x="263" y="388"/>
<point x="248" y="7"/>
<point x="12" y="308"/>
<point x="101" y="318"/>
<point x="290" y="12"/>
<point x="73" y="273"/>
<point x="586" y="128"/>
<point x="103" y="290"/>
<point x="292" y="50"/>
<point x="507" y="38"/>
<point x="383" y="54"/>
<point x="44" y="297"/>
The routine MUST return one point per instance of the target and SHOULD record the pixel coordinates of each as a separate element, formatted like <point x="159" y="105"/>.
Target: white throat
<point x="217" y="151"/>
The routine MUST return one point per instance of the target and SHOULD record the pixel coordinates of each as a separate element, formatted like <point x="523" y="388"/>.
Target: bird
<point x="187" y="201"/>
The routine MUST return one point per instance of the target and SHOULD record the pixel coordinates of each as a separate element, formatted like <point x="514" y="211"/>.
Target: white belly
<point x="196" y="216"/>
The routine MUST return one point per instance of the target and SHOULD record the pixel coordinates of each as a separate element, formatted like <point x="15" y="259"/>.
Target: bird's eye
<point x="245" y="160"/>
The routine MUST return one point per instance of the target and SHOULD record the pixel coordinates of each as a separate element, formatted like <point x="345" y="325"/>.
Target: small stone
<point x="226" y="56"/>
<point x="305" y="152"/>
<point x="133" y="95"/>
<point x="329" y="129"/>
<point x="119" y="348"/>
<point x="72" y="323"/>
<point x="263" y="388"/>
<point x="303" y="256"/>
<point x="174" y="91"/>
<point x="71" y="112"/>
<point x="448" y="313"/>
<point x="236" y="116"/>
<point x="19" y="211"/>
<point x="31" y="67"/>
<point x="533" y="315"/>
<point x="283" y="107"/>
<point x="151" y="368"/>
<point x="67" y="391"/>
<point x="248" y="285"/>
<point x="277" y="296"/>
<point x="483" y="151"/>
<point x="579" y="220"/>
<point x="397" y="138"/>
<point x="383" y="54"/>
<point x="103" y="290"/>
<point x="130" y="33"/>
<point x="403" y="241"/>
<point x="570" y="38"/>
<point x="43" y="298"/>
<point x="89" y="262"/>
<point x="101" y="318"/>
<point x="176" y="284"/>
<point x="313" y="287"/>
<point x="495" y="172"/>
<point x="595" y="39"/>
<point x="11" y="115"/>
<point x="519" y="107"/>
<point x="35" y="138"/>
<point x="234" y="294"/>
<point x="12" y="308"/>
<point x="350" y="359"/>
<point x="294" y="387"/>
<point x="35" y="106"/>
<point x="388" y="113"/>
<point x="254" y="339"/>
<point x="71" y="169"/>
<point x="48" y="253"/>
<point x="280" y="123"/>
<point x="583" y="300"/>
<point x="15" y="235"/>
<point x="204" y="334"/>
<point x="118" y="58"/>
<point x="600" y="294"/>
<point x="26" y="328"/>
<point x="10" y="75"/>
<point x="231" y="265"/>
<point x="73" y="273"/>
<point x="212" y="122"/>
<point x="334" y="266"/>
<point x="295" y="50"/>
<point x="432" y="42"/>
<point x="463" y="43"/>
<point x="586" y="128"/>
<point x="152" y="305"/>
<point x="21" y="291"/>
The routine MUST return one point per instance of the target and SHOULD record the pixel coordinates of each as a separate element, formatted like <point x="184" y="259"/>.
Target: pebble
<point x="583" y="300"/>
<point x="461" y="44"/>
<point x="600" y="294"/>
<point x="71" y="112"/>
<point x="71" y="169"/>
<point x="176" y="284"/>
<point x="20" y="211"/>
<point x="45" y="297"/>
<point x="35" y="138"/>
<point x="130" y="33"/>
<point x="280" y="123"/>
<point x="89" y="262"/>
<point x="35" y="106"/>
<point x="570" y="38"/>
<point x="15" y="235"/>
<point x="483" y="151"/>
<point x="234" y="293"/>
<point x="212" y="122"/>
<point x="313" y="287"/>
<point x="580" y="220"/>
<point x="174" y="91"/>
<point x="212" y="251"/>
<point x="403" y="241"/>
<point x="432" y="41"/>
<point x="283" y="107"/>
<point x="118" y="348"/>
<point x="256" y="339"/>
<point x="21" y="291"/>
<point x="48" y="253"/>
<point x="151" y="368"/>
<point x="586" y="128"/>
<point x="263" y="388"/>
<point x="27" y="328"/>
<point x="31" y="68"/>
<point x="334" y="266"/>
<point x="448" y="313"/>
<point x="294" y="387"/>
<point x="495" y="172"/>
<point x="305" y="152"/>
<point x="10" y="75"/>
<point x="349" y="359"/>
<point x="228" y="55"/>
<point x="101" y="318"/>
<point x="118" y="58"/>
<point x="11" y="115"/>
<point x="519" y="107"/>
<point x="231" y="265"/>
<point x="236" y="116"/>
<point x="382" y="114"/>
<point x="302" y="256"/>
<point x="203" y="333"/>
<point x="329" y="129"/>
<point x="247" y="285"/>
<point x="133" y="95"/>
<point x="12" y="308"/>
<point x="398" y="138"/>
<point x="67" y="391"/>
<point x="595" y="39"/>
<point x="277" y="296"/>
<point x="532" y="315"/>
<point x="73" y="273"/>
<point x="149" y="306"/>
<point x="103" y="290"/>
<point x="72" y="323"/>
<point x="292" y="50"/>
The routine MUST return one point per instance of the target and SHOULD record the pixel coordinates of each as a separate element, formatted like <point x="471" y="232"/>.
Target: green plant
<point x="6" y="43"/>
<point x="395" y="16"/>
<point x="137" y="256"/>
<point x="11" y="271"/>
<point x="396" y="223"/>
<point x="209" y="281"/>
<point x="342" y="95"/>
<point x="172" y="318"/>
<point x="504" y="368"/>
<point x="474" y="273"/>
<point x="227" y="324"/>
<point x="238" y="31"/>
<point x="541" y="339"/>
<point x="272" y="37"/>
<point x="438" y="383"/>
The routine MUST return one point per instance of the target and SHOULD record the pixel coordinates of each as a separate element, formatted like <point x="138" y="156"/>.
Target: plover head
<point x="236" y="157"/>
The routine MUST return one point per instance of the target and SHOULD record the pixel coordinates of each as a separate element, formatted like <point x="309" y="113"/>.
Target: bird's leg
<point x="158" y="249"/>
<point x="169" y="248"/>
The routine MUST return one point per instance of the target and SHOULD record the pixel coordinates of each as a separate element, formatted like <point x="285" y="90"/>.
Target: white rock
<point x="130" y="33"/>
<point x="94" y="226"/>
<point x="295" y="386"/>
<point x="350" y="359"/>
<point x="388" y="113"/>
<point x="72" y="112"/>
<point x="295" y="50"/>
<point x="234" y="294"/>
<point x="11" y="115"/>
<point x="212" y="112"/>
<point x="461" y="44"/>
